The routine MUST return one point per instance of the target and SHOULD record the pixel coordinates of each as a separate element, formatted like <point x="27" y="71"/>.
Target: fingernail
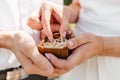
<point x="64" y="34"/>
<point x="70" y="43"/>
<point x="46" y="54"/>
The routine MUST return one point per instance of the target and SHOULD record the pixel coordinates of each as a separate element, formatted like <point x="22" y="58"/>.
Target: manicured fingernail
<point x="64" y="34"/>
<point x="70" y="43"/>
<point x="46" y="54"/>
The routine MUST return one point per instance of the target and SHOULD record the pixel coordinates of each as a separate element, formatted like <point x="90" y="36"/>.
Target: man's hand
<point x="85" y="46"/>
<point x="24" y="47"/>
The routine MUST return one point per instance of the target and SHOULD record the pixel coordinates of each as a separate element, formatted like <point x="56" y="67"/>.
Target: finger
<point x="78" y="41"/>
<point x="64" y="28"/>
<point x="30" y="67"/>
<point x="45" y="19"/>
<point x="58" y="63"/>
<point x="34" y="19"/>
<point x="54" y="28"/>
<point x="40" y="61"/>
<point x="34" y="23"/>
<point x="42" y="35"/>
<point x="78" y="55"/>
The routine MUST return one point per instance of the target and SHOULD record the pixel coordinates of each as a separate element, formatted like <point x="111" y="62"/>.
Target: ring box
<point x="57" y="47"/>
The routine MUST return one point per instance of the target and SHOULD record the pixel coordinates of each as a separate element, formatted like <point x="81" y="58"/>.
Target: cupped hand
<point x="84" y="46"/>
<point x="27" y="54"/>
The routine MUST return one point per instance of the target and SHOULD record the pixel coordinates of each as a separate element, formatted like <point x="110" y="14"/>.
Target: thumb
<point x="58" y="63"/>
<point x="34" y="23"/>
<point x="77" y="41"/>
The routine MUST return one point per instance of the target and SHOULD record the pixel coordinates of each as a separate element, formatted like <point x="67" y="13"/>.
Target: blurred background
<point x="67" y="2"/>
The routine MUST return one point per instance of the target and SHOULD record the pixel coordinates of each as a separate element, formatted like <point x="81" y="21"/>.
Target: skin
<point x="53" y="17"/>
<point x="84" y="46"/>
<point x="25" y="50"/>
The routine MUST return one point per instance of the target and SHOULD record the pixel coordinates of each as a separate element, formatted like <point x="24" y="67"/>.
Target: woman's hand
<point x="53" y="17"/>
<point x="84" y="46"/>
<point x="24" y="48"/>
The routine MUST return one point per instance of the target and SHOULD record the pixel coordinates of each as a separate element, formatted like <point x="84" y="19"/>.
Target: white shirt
<point x="13" y="17"/>
<point x="101" y="17"/>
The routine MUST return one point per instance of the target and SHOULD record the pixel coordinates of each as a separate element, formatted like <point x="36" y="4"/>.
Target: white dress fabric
<point x="101" y="17"/>
<point x="13" y="17"/>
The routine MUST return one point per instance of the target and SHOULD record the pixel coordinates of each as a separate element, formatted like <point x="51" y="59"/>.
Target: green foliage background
<point x="67" y="2"/>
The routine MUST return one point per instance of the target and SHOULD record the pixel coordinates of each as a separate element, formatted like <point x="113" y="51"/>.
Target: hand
<point x="85" y="46"/>
<point x="27" y="53"/>
<point x="52" y="17"/>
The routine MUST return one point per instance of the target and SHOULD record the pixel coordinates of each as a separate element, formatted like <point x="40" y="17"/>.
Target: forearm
<point x="111" y="46"/>
<point x="73" y="11"/>
<point x="6" y="38"/>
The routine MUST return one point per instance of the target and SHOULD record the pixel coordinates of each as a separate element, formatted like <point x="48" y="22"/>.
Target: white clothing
<point x="101" y="17"/>
<point x="14" y="16"/>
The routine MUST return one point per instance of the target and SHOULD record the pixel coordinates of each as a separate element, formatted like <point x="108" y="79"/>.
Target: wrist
<point x="6" y="39"/>
<point x="67" y="12"/>
<point x="74" y="10"/>
<point x="108" y="46"/>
